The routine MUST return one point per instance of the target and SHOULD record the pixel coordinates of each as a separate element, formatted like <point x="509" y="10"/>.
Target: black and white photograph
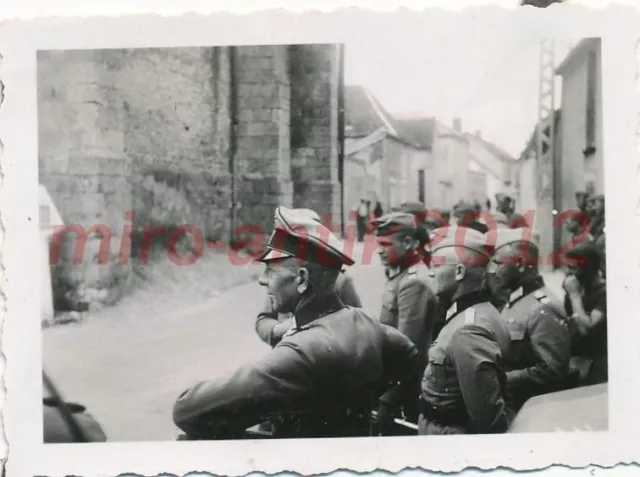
<point x="393" y="240"/>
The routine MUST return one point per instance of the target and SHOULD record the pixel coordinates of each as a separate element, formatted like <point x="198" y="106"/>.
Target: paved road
<point x="130" y="370"/>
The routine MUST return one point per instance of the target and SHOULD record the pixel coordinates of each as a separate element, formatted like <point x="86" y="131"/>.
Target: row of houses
<point x="393" y="160"/>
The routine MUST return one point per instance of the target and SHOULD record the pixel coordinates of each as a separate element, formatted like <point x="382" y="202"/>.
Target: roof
<point x="367" y="118"/>
<point x="418" y="130"/>
<point x="364" y="114"/>
<point x="583" y="47"/>
<point x="496" y="150"/>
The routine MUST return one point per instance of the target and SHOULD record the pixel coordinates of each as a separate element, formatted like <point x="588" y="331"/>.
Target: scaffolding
<point x="546" y="167"/>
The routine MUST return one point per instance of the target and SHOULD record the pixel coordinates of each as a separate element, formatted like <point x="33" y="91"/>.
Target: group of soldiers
<point x="467" y="333"/>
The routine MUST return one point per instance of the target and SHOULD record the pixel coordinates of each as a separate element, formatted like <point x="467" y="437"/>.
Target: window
<point x="421" y="185"/>
<point x="591" y="104"/>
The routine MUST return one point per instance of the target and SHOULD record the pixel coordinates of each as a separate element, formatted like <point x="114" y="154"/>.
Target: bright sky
<point x="485" y="72"/>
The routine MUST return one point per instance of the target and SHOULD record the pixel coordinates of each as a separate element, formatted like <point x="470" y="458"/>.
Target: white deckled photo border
<point x="619" y="28"/>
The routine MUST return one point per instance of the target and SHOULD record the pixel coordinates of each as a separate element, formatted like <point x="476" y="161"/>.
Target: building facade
<point x="381" y="163"/>
<point x="499" y="168"/>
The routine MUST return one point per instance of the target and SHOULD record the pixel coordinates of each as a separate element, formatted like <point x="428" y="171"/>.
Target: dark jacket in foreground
<point x="317" y="381"/>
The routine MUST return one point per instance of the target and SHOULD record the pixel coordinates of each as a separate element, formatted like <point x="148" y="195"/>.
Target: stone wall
<point x="83" y="165"/>
<point x="314" y="129"/>
<point x="262" y="165"/>
<point x="177" y="130"/>
<point x="213" y="137"/>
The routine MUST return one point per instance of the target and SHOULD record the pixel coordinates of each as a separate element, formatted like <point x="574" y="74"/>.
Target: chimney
<point x="479" y="133"/>
<point x="457" y="125"/>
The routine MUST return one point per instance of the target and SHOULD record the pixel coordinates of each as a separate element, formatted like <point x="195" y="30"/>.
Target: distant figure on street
<point x="538" y="359"/>
<point x="327" y="371"/>
<point x="377" y="211"/>
<point x="271" y="326"/>
<point x="462" y="387"/>
<point x="362" y="217"/>
<point x="409" y="303"/>
<point x="580" y="222"/>
<point x="585" y="303"/>
<point x="597" y="218"/>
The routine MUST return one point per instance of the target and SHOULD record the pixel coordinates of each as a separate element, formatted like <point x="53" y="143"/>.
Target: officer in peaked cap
<point x="538" y="359"/>
<point x="467" y="216"/>
<point x="585" y="302"/>
<point x="498" y="220"/>
<point x="271" y="326"/>
<point x="409" y="303"/>
<point x="507" y="204"/>
<point x="462" y="391"/>
<point x="326" y="372"/>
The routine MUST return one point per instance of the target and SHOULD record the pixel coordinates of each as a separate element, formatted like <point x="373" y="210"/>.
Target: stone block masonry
<point x="213" y="137"/>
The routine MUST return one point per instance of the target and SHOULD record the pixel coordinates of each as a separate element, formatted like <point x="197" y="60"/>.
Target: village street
<point x="128" y="371"/>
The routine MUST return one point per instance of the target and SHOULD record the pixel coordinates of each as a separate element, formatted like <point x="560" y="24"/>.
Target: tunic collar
<point x="523" y="290"/>
<point x="316" y="307"/>
<point x="465" y="301"/>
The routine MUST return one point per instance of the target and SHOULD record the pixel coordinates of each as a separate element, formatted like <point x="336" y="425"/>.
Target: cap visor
<point x="273" y="254"/>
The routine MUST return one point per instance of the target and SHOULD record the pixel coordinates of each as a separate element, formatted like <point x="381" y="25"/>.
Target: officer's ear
<point x="461" y="272"/>
<point x="409" y="243"/>
<point x="302" y="280"/>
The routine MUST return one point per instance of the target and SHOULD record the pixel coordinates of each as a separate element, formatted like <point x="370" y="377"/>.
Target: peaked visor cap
<point x="298" y="233"/>
<point x="394" y="223"/>
<point x="461" y="238"/>
<point x="499" y="218"/>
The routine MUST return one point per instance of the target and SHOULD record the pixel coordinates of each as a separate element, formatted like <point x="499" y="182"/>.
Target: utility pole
<point x="548" y="173"/>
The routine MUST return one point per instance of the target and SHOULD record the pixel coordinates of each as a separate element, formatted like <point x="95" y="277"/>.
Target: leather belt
<point x="444" y="417"/>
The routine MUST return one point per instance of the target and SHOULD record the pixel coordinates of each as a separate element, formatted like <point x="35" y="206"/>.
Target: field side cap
<point x="298" y="234"/>
<point x="461" y="237"/>
<point x="506" y="237"/>
<point x="395" y="222"/>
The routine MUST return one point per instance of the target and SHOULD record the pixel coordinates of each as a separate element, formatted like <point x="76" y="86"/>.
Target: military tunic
<point x="410" y="305"/>
<point x="538" y="359"/>
<point x="325" y="373"/>
<point x="462" y="386"/>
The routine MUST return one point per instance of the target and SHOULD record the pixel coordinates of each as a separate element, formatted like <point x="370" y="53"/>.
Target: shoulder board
<point x="541" y="297"/>
<point x="469" y="316"/>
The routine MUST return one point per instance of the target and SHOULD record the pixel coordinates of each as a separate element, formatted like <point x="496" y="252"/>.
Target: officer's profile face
<point x="446" y="270"/>
<point x="392" y="249"/>
<point x="281" y="278"/>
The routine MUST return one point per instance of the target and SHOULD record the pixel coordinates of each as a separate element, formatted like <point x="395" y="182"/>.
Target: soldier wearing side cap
<point x="409" y="304"/>
<point x="538" y="359"/>
<point x="326" y="372"/>
<point x="463" y="384"/>
<point x="271" y="326"/>
<point x="585" y="302"/>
